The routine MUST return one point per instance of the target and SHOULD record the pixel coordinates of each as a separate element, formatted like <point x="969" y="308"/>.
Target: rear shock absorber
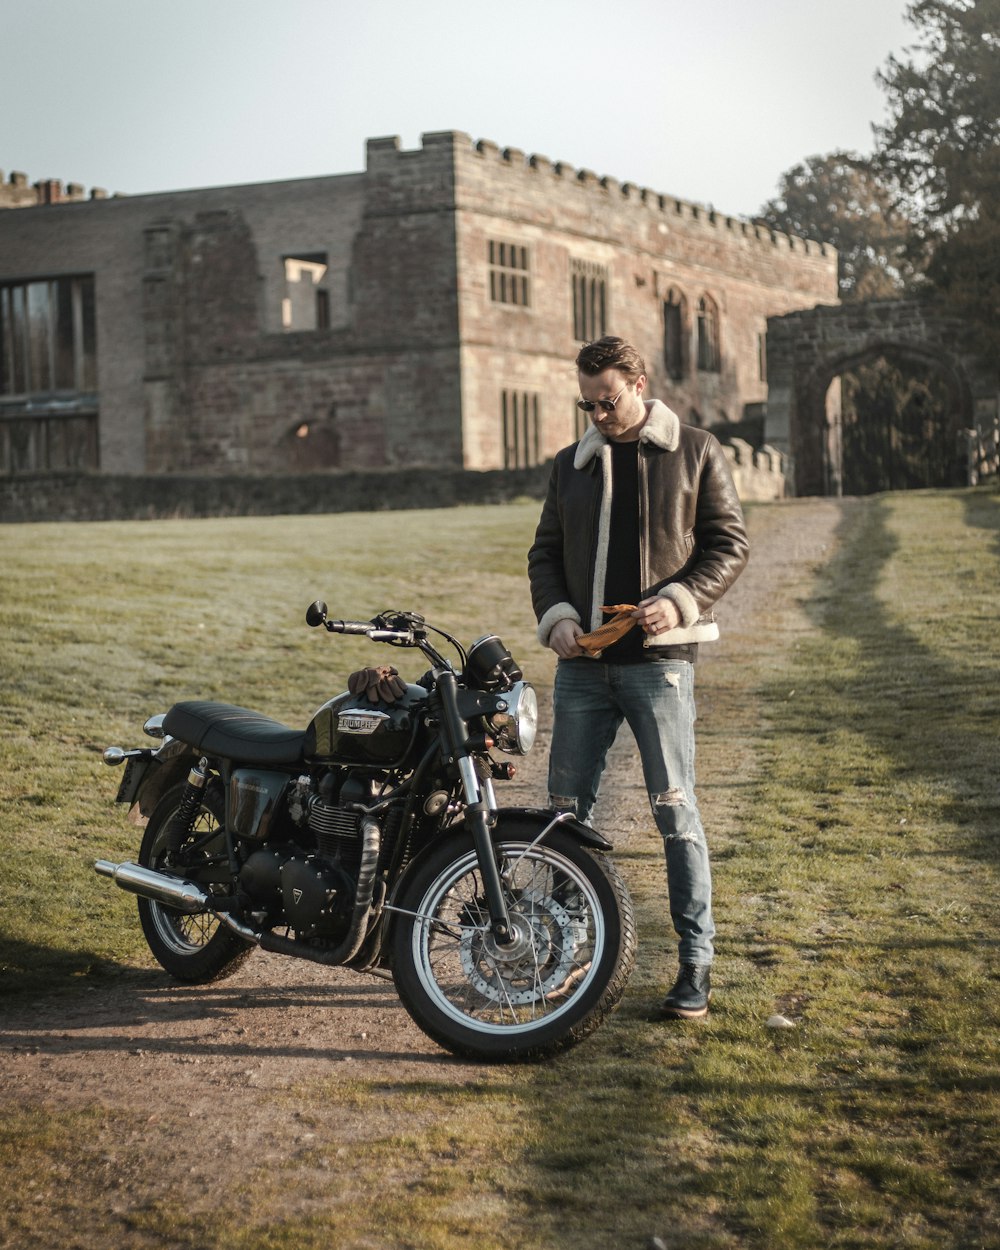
<point x="183" y="821"/>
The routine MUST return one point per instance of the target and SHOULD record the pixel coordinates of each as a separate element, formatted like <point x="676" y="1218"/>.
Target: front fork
<point x="477" y="805"/>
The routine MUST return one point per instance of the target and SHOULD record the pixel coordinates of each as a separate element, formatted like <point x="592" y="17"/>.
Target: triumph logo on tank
<point x="360" y="722"/>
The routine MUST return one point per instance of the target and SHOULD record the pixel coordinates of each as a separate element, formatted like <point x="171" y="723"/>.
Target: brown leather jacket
<point x="693" y="542"/>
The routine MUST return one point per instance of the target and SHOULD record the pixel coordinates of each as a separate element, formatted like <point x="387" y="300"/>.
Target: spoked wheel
<point x="567" y="966"/>
<point x="194" y="948"/>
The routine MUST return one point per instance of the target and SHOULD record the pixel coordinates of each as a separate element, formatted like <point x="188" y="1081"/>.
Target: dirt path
<point x="195" y="1072"/>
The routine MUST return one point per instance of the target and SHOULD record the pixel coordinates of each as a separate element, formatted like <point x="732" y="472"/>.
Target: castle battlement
<point x="537" y="165"/>
<point x="18" y="192"/>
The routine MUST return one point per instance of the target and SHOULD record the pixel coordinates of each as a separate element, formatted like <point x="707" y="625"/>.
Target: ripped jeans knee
<point x="676" y="815"/>
<point x="564" y="803"/>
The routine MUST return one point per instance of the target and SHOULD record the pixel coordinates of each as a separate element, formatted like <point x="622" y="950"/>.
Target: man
<point x="642" y="515"/>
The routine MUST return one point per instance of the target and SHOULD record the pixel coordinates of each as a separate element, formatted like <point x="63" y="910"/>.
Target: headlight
<point x="514" y="731"/>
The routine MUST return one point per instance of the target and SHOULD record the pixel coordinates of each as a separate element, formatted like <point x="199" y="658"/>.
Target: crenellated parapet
<point x="17" y="192"/>
<point x="605" y="190"/>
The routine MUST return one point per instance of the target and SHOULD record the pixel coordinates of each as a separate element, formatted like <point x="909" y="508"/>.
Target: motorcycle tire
<point x="569" y="963"/>
<point x="196" y="949"/>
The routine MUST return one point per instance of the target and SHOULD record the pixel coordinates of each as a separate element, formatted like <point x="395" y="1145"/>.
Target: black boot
<point x="688" y="1000"/>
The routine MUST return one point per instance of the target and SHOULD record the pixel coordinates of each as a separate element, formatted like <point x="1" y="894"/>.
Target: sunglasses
<point x="606" y="405"/>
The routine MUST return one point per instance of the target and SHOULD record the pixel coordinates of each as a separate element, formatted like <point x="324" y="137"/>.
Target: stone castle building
<point x="426" y="310"/>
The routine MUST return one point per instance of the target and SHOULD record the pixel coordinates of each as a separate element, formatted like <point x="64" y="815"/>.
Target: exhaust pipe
<point x="172" y="891"/>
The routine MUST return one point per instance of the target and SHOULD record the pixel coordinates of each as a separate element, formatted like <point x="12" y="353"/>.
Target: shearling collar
<point x="662" y="429"/>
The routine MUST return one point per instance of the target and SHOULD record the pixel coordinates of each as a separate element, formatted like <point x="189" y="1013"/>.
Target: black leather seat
<point x="234" y="733"/>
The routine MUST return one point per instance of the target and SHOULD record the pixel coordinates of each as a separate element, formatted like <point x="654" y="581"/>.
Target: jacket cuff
<point x="550" y="619"/>
<point x="683" y="600"/>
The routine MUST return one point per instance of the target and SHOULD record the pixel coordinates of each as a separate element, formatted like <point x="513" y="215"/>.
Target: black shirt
<point x="623" y="579"/>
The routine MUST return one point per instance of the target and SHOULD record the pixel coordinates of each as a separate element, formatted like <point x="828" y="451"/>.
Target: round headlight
<point x="515" y="730"/>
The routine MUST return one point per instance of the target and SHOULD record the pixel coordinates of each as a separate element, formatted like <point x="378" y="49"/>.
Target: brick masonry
<point x="198" y="374"/>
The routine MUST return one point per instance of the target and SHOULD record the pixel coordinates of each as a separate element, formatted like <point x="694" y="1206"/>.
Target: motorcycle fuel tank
<point x="349" y="730"/>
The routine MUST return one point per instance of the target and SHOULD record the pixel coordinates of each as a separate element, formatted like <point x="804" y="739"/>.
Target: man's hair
<point x="611" y="353"/>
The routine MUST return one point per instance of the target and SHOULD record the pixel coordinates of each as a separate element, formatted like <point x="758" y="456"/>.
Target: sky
<point x="708" y="101"/>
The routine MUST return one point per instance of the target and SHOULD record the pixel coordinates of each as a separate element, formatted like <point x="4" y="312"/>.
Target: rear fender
<point x="147" y="780"/>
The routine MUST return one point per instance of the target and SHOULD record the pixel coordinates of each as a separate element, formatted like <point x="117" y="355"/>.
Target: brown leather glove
<point x="604" y="635"/>
<point x="381" y="684"/>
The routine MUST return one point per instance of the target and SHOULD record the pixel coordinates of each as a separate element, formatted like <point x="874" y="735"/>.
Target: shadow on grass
<point x="933" y="719"/>
<point x="27" y="968"/>
<point x="666" y="1102"/>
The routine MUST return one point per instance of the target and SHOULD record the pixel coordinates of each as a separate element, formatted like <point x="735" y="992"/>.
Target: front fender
<point x="526" y="823"/>
<point x="530" y="821"/>
<point x="514" y="822"/>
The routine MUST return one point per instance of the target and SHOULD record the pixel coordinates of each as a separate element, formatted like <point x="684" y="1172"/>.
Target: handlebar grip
<point x="350" y="627"/>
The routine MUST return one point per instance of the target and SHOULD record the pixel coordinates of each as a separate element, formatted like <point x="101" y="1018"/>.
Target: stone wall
<point x="118" y="497"/>
<point x="808" y="350"/>
<point x="758" y="475"/>
<point x="648" y="244"/>
<point x="414" y="360"/>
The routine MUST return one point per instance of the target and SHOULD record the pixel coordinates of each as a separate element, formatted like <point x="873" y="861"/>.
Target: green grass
<point x="848" y="763"/>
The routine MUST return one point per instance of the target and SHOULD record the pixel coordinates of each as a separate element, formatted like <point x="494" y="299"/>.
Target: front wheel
<point x="193" y="948"/>
<point x="568" y="964"/>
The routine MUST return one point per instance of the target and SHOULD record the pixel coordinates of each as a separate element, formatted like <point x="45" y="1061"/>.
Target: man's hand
<point x="656" y="615"/>
<point x="563" y="638"/>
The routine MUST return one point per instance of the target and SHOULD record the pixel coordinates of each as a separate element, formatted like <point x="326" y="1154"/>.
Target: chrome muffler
<point x="172" y="891"/>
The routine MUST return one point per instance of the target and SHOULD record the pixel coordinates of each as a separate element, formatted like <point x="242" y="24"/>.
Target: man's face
<point x="623" y="424"/>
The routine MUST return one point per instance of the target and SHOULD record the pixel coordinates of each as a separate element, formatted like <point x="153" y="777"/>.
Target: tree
<point x="841" y="199"/>
<point x="941" y="148"/>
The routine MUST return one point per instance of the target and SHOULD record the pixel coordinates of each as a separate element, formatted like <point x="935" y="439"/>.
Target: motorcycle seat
<point x="234" y="733"/>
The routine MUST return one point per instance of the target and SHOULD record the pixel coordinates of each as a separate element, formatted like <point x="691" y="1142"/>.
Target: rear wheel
<point x="567" y="967"/>
<point x="193" y="948"/>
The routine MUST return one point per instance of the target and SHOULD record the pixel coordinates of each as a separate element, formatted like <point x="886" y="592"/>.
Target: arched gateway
<point x="808" y="351"/>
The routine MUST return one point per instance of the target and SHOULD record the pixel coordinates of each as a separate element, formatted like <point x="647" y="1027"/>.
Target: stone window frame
<point x="510" y="273"/>
<point x="708" y="334"/>
<point x="676" y="334"/>
<point x="589" y="283"/>
<point x="520" y="428"/>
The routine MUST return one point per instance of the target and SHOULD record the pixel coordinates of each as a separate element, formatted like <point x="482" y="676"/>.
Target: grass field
<point x="856" y="882"/>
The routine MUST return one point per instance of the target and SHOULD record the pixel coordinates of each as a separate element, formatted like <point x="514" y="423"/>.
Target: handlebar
<point x="349" y="627"/>
<point x="401" y="628"/>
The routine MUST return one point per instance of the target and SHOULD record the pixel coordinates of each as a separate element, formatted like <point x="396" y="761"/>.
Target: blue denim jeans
<point x="656" y="698"/>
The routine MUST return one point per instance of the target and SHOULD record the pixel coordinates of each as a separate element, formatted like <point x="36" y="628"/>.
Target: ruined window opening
<point x="590" y="300"/>
<point x="762" y="357"/>
<point x="509" y="275"/>
<point x="520" y="429"/>
<point x="675" y="334"/>
<point x="709" y="359"/>
<point x="306" y="303"/>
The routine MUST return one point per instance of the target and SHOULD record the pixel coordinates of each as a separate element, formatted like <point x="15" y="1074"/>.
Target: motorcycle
<point x="373" y="840"/>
